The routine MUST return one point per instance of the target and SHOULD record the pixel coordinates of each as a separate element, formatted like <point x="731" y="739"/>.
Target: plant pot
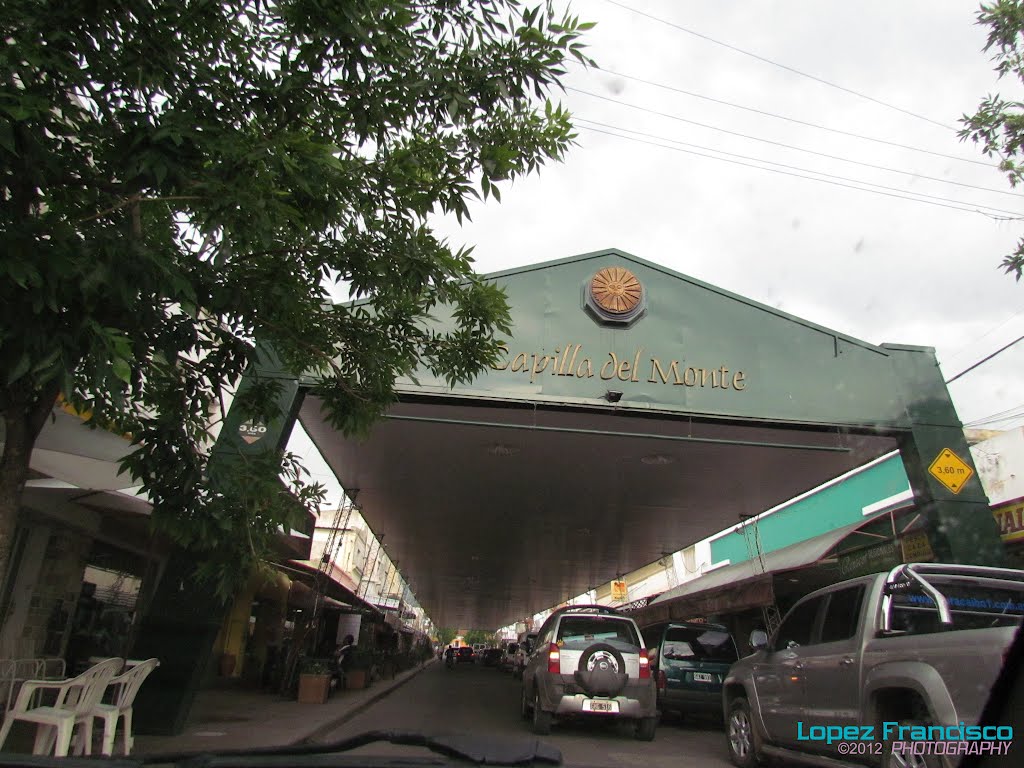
<point x="313" y="689"/>
<point x="357" y="678"/>
<point x="227" y="664"/>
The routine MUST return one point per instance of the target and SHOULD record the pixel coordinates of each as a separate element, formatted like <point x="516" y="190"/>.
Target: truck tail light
<point x="645" y="666"/>
<point x="554" y="660"/>
<point x="662" y="680"/>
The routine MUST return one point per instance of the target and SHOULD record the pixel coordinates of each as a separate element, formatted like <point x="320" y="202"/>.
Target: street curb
<point x="339" y="721"/>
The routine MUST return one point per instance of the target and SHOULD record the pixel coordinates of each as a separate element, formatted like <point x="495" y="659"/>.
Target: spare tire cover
<point x="601" y="671"/>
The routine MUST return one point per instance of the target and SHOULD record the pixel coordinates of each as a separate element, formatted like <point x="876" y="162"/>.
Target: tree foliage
<point x="445" y="635"/>
<point x="179" y="179"/>
<point x="998" y="125"/>
<point x="478" y="636"/>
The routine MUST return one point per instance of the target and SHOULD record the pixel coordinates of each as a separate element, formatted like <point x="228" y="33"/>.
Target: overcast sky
<point x="871" y="265"/>
<point x="866" y="263"/>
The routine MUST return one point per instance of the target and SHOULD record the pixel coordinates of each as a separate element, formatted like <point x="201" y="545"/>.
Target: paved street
<point x="484" y="701"/>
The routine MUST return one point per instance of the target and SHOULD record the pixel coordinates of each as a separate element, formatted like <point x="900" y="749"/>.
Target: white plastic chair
<point x="127" y="686"/>
<point x="74" y="705"/>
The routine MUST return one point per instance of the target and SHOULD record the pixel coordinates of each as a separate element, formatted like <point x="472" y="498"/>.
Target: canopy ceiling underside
<point x="494" y="520"/>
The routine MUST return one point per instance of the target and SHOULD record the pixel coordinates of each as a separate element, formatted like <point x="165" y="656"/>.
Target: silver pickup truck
<point x="885" y="669"/>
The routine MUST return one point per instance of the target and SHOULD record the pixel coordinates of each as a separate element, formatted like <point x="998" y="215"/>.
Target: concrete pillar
<point x="956" y="512"/>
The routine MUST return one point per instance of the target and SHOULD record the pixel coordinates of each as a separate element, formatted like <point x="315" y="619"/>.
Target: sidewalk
<point x="240" y="718"/>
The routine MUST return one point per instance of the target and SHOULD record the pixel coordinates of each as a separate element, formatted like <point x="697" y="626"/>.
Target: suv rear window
<point x="591" y="629"/>
<point x="690" y="644"/>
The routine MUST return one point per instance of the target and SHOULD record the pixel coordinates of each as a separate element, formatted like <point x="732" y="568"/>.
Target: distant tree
<point x="476" y="636"/>
<point x="445" y="635"/>
<point x="179" y="179"/>
<point x="998" y="125"/>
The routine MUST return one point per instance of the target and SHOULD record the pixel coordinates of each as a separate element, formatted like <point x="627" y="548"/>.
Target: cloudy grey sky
<point x="866" y="263"/>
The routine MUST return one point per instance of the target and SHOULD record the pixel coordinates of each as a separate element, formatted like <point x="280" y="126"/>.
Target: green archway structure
<point x="635" y="412"/>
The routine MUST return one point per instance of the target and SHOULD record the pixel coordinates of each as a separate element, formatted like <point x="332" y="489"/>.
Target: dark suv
<point x="589" y="661"/>
<point x="690" y="661"/>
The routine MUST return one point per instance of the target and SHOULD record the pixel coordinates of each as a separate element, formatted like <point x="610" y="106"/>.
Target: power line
<point x="918" y="195"/>
<point x="745" y="135"/>
<point x="985" y="359"/>
<point x="1015" y="412"/>
<point x="960" y="206"/>
<point x="806" y="123"/>
<point x="886" y="169"/>
<point x="990" y="331"/>
<point x="781" y="66"/>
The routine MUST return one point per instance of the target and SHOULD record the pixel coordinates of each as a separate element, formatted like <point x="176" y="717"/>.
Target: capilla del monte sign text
<point x="574" y="361"/>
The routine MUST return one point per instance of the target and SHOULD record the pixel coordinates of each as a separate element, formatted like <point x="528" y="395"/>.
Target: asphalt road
<point x="484" y="701"/>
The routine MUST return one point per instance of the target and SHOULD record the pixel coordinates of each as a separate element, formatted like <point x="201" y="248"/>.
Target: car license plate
<point x="600" y="705"/>
<point x="703" y="677"/>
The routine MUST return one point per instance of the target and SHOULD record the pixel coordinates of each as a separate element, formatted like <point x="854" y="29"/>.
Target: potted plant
<point x="314" y="682"/>
<point x="358" y="662"/>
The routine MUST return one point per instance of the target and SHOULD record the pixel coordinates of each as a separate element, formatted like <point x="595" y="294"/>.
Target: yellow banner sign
<point x="619" y="590"/>
<point x="916" y="548"/>
<point x="1010" y="519"/>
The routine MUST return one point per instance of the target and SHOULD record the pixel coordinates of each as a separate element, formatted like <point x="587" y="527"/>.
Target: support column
<point x="959" y="523"/>
<point x="185" y="616"/>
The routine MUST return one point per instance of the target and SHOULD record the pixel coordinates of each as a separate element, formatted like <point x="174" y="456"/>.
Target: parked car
<point x="918" y="646"/>
<point x="525" y="645"/>
<point x="589" y="661"/>
<point x="491" y="657"/>
<point x="689" y="661"/>
<point x="508" y="657"/>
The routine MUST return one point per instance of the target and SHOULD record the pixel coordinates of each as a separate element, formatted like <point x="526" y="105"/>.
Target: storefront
<point x="1010" y="518"/>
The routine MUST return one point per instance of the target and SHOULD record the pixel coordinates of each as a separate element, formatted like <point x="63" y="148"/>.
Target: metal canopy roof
<point x="615" y="428"/>
<point x="493" y="523"/>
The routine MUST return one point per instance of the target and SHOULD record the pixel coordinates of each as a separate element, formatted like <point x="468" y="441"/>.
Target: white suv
<point x="589" y="661"/>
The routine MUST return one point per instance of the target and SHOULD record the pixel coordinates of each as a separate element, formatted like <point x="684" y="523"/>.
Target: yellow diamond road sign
<point x="950" y="470"/>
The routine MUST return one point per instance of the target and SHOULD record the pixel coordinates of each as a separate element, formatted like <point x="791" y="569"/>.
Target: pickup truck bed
<point x="849" y="664"/>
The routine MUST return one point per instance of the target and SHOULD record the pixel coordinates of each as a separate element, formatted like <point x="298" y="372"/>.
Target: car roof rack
<point x="605" y="610"/>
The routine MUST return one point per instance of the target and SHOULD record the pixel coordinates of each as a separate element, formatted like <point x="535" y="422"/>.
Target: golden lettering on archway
<point x="572" y="361"/>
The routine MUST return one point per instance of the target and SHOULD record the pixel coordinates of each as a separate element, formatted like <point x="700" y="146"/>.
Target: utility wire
<point x="956" y="207"/>
<point x="745" y="135"/>
<point x="793" y="167"/>
<point x="1010" y="413"/>
<point x="781" y="66"/>
<point x="991" y="330"/>
<point x="985" y="359"/>
<point x="912" y="174"/>
<point x="794" y="120"/>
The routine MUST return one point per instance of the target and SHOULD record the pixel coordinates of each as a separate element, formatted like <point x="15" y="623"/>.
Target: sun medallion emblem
<point x="616" y="290"/>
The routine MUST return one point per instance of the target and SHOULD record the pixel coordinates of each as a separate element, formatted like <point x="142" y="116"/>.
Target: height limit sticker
<point x="950" y="470"/>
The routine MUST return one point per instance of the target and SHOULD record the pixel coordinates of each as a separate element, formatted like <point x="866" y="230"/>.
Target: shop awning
<point x="866" y="545"/>
<point x="335" y="585"/>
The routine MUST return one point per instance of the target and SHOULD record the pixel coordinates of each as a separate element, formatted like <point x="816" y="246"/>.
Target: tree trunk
<point x="24" y="415"/>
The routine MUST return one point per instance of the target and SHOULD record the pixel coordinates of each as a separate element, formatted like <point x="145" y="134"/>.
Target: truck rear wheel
<point x="896" y="758"/>
<point x="541" y="720"/>
<point x="646" y="727"/>
<point x="744" y="744"/>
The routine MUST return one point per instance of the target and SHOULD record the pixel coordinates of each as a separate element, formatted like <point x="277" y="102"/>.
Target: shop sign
<point x="1010" y="519"/>
<point x="917" y="548"/>
<point x="950" y="470"/>
<point x="571" y="360"/>
<point x="861" y="562"/>
<point x="619" y="590"/>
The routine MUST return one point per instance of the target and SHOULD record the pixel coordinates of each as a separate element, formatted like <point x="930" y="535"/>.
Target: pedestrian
<point x="341" y="656"/>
